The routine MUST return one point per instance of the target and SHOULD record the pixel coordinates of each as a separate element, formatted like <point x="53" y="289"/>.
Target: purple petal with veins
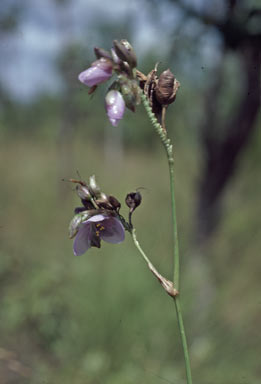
<point x="107" y="228"/>
<point x="114" y="231"/>
<point x="82" y="241"/>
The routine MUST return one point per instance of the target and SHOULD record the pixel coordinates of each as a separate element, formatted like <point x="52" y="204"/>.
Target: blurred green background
<point x="102" y="317"/>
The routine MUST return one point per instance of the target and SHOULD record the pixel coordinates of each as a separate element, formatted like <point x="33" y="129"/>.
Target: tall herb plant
<point x="99" y="218"/>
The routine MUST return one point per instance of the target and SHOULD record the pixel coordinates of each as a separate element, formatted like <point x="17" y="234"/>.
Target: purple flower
<point x="100" y="71"/>
<point x="115" y="106"/>
<point x="96" y="228"/>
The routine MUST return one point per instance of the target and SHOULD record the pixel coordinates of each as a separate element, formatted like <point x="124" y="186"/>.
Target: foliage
<point x="69" y="319"/>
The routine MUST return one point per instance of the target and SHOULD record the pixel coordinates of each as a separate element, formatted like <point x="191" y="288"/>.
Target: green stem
<point x="168" y="147"/>
<point x="174" y="223"/>
<point x="183" y="339"/>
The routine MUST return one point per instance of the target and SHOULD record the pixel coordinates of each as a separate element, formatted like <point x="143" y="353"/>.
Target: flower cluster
<point x="99" y="226"/>
<point x="124" y="90"/>
<point x="98" y="218"/>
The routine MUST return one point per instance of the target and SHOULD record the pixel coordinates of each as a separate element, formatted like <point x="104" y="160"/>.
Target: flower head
<point x="101" y="226"/>
<point x="100" y="71"/>
<point x="115" y="106"/>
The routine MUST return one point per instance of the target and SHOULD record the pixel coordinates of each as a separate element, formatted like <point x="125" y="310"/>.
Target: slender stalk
<point x="166" y="284"/>
<point x="168" y="147"/>
<point x="183" y="339"/>
<point x="174" y="223"/>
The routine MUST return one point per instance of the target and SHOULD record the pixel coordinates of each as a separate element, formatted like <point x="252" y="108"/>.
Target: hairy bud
<point x="100" y="52"/>
<point x="83" y="192"/>
<point x="125" y="52"/>
<point x="93" y="187"/>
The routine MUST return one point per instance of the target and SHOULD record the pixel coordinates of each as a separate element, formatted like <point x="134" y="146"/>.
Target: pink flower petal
<point x="115" y="106"/>
<point x="100" y="71"/>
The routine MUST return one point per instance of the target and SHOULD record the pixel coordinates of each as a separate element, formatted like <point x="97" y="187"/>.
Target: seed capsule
<point x="166" y="88"/>
<point x="133" y="200"/>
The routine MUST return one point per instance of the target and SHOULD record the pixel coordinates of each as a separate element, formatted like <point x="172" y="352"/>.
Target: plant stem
<point x="183" y="339"/>
<point x="168" y="147"/>
<point x="174" y="222"/>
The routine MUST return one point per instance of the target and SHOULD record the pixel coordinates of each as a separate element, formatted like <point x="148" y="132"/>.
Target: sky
<point x="27" y="60"/>
<point x="28" y="55"/>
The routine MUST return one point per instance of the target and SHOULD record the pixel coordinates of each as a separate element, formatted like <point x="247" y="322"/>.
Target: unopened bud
<point x="114" y="203"/>
<point x="76" y="222"/>
<point x="133" y="200"/>
<point x="83" y="192"/>
<point x="125" y="52"/>
<point x="100" y="52"/>
<point x="115" y="106"/>
<point x="115" y="57"/>
<point x="94" y="188"/>
<point x="103" y="201"/>
<point x="129" y="97"/>
<point x="166" y="88"/>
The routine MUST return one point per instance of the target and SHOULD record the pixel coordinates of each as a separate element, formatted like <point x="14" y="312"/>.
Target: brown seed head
<point x="166" y="88"/>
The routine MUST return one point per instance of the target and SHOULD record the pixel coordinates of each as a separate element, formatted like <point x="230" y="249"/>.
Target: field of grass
<point x="102" y="317"/>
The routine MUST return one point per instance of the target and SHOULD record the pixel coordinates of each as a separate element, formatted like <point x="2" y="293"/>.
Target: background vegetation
<point x="102" y="318"/>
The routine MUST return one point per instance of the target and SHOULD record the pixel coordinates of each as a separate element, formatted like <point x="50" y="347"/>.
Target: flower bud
<point x="133" y="200"/>
<point x="76" y="222"/>
<point x="115" y="57"/>
<point x="83" y="192"/>
<point x="166" y="88"/>
<point x="100" y="52"/>
<point x="125" y="52"/>
<point x="100" y="71"/>
<point x="130" y="94"/>
<point x="115" y="106"/>
<point x="114" y="203"/>
<point x="94" y="188"/>
<point x="103" y="201"/>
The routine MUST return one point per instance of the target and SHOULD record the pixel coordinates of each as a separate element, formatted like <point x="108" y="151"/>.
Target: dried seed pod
<point x="167" y="87"/>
